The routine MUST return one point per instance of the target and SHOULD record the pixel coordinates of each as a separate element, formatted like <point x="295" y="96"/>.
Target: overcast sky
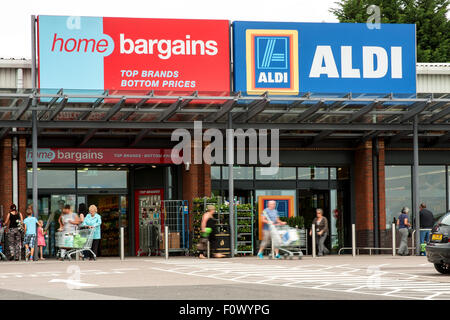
<point x="15" y="15"/>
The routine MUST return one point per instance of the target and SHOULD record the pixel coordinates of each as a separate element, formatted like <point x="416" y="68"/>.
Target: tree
<point x="432" y="24"/>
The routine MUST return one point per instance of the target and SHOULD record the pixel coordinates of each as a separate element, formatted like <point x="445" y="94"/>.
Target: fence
<point x="174" y="215"/>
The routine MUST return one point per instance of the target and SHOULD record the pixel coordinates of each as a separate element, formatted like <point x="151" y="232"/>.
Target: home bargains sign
<point x="127" y="54"/>
<point x="101" y="155"/>
<point x="290" y="58"/>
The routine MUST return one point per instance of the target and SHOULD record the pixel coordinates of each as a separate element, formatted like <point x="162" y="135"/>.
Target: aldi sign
<point x="290" y="58"/>
<point x="123" y="54"/>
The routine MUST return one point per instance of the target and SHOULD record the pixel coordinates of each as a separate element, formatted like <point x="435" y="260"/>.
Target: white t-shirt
<point x="69" y="227"/>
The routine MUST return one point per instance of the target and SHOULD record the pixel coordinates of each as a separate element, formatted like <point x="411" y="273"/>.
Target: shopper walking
<point x="321" y="225"/>
<point x="41" y="238"/>
<point x="93" y="221"/>
<point x="208" y="233"/>
<point x="14" y="222"/>
<point x="30" y="223"/>
<point x="68" y="222"/>
<point x="426" y="223"/>
<point x="269" y="216"/>
<point x="403" y="226"/>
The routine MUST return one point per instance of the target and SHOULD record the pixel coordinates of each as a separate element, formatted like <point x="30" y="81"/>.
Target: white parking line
<point x="331" y="278"/>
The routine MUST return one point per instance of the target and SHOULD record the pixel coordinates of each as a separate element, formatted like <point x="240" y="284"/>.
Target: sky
<point x="15" y="32"/>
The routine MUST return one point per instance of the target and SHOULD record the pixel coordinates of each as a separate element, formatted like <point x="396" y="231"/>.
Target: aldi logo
<point x="272" y="61"/>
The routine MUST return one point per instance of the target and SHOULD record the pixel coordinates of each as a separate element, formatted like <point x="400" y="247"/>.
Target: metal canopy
<point x="312" y="116"/>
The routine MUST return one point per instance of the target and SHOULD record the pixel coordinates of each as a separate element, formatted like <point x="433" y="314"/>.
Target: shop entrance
<point x="113" y="210"/>
<point x="331" y="202"/>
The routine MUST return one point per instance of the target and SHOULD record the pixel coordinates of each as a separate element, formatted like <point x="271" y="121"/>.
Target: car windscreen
<point x="445" y="220"/>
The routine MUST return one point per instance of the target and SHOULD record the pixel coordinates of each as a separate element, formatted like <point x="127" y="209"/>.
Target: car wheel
<point x="442" y="268"/>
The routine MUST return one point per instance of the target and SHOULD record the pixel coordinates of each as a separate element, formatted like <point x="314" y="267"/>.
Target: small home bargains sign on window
<point x="101" y="155"/>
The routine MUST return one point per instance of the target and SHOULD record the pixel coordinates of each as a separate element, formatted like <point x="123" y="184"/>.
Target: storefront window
<point x="98" y="178"/>
<point x="342" y="173"/>
<point x="320" y="173"/>
<point x="239" y="173"/>
<point x="332" y="173"/>
<point x="283" y="173"/>
<point x="52" y="178"/>
<point x="432" y="188"/>
<point x="398" y="191"/>
<point x="215" y="173"/>
<point x="304" y="173"/>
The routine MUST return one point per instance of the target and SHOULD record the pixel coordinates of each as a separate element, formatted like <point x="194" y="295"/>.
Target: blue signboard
<point x="289" y="58"/>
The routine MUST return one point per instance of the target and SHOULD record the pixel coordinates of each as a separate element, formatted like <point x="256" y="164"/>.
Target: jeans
<point x="321" y="244"/>
<point x="424" y="236"/>
<point x="403" y="249"/>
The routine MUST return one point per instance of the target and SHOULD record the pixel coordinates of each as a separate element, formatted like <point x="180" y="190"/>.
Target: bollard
<point x="393" y="240"/>
<point x="122" y="245"/>
<point x="166" y="240"/>
<point x="353" y="240"/>
<point x="208" y="252"/>
<point x="313" y="229"/>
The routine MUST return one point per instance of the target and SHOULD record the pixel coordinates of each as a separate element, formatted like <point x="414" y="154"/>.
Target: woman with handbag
<point x="403" y="227"/>
<point x="14" y="220"/>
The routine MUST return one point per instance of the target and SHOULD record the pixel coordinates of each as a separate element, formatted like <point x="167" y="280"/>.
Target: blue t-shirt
<point x="273" y="216"/>
<point x="30" y="222"/>
<point x="401" y="222"/>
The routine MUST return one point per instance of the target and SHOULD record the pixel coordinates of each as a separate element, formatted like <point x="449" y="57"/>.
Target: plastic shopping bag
<point x="290" y="236"/>
<point x="68" y="241"/>
<point x="79" y="241"/>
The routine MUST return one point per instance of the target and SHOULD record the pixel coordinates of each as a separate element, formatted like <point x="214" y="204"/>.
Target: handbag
<point x="410" y="231"/>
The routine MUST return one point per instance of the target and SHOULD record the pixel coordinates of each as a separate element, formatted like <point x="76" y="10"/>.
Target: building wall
<point x="431" y="77"/>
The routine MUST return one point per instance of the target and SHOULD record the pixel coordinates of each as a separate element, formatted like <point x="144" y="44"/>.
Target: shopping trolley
<point x="70" y="243"/>
<point x="286" y="239"/>
<point x="291" y="239"/>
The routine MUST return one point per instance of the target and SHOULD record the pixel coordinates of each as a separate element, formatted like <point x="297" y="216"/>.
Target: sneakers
<point x="260" y="255"/>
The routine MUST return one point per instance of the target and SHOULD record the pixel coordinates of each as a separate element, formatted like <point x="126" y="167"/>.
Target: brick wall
<point x="22" y="168"/>
<point x="364" y="189"/>
<point x="5" y="174"/>
<point x="364" y="194"/>
<point x="381" y="187"/>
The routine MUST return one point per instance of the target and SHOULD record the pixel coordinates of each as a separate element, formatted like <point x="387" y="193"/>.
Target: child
<point x="40" y="238"/>
<point x="30" y="234"/>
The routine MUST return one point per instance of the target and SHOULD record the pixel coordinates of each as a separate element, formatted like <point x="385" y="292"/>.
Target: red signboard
<point x="133" y="54"/>
<point x="101" y="155"/>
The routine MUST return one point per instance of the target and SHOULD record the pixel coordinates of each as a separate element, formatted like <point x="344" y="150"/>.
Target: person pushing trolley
<point x="270" y="219"/>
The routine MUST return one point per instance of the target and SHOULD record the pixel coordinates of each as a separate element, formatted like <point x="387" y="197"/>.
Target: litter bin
<point x="223" y="241"/>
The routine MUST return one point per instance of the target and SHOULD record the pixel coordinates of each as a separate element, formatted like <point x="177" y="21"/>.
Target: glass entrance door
<point x="332" y="204"/>
<point x="309" y="201"/>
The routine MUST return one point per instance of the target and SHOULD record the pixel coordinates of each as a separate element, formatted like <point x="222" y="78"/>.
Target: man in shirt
<point x="270" y="215"/>
<point x="30" y="234"/>
<point x="426" y="223"/>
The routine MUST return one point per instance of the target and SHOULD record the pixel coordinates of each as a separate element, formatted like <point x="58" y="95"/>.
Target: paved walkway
<point x="330" y="277"/>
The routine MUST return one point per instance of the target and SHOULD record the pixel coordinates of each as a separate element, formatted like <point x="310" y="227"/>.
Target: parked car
<point x="438" y="246"/>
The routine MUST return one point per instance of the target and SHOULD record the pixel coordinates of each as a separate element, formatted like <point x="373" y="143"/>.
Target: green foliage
<point x="432" y="24"/>
<point x="294" y="222"/>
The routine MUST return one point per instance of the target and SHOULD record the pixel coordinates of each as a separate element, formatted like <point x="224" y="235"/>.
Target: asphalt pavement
<point x="330" y="277"/>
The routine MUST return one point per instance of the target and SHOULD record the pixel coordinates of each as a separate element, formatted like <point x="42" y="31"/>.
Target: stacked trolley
<point x="74" y="242"/>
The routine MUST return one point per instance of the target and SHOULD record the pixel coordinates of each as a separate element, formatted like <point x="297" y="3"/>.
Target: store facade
<point x="111" y="179"/>
<point x="347" y="126"/>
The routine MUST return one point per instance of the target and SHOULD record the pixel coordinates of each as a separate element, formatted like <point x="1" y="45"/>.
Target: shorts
<point x="30" y="240"/>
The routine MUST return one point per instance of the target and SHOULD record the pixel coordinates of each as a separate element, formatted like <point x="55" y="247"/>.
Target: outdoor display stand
<point x="244" y="226"/>
<point x="244" y="229"/>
